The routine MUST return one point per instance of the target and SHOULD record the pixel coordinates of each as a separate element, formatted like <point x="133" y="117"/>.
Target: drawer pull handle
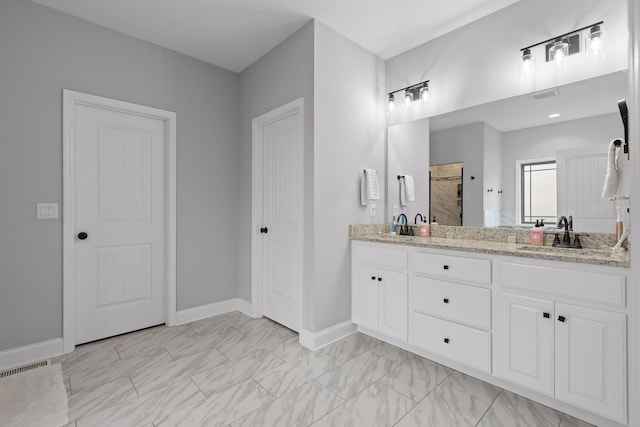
<point x="373" y="277"/>
<point x="446" y="340"/>
<point x="446" y="267"/>
<point x="561" y="319"/>
<point x="379" y="279"/>
<point x="446" y="300"/>
<point x="546" y="315"/>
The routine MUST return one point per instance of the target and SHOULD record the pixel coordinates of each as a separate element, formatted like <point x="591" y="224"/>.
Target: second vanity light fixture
<point x="558" y="48"/>
<point x="411" y="93"/>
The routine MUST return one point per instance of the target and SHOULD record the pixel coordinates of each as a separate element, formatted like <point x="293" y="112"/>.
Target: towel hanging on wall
<point x="617" y="181"/>
<point x="369" y="189"/>
<point x="407" y="190"/>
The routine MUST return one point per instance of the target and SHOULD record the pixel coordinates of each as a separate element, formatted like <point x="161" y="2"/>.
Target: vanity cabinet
<point x="379" y="295"/>
<point x="451" y="317"/>
<point x="554" y="328"/>
<point x="573" y="353"/>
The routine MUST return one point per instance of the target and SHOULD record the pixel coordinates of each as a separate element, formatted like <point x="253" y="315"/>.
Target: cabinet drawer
<point x="469" y="305"/>
<point x="386" y="257"/>
<point x="456" y="342"/>
<point x="452" y="267"/>
<point x="583" y="285"/>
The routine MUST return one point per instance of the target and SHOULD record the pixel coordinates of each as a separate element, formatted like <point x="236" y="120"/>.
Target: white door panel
<point x="120" y="204"/>
<point x="281" y="216"/>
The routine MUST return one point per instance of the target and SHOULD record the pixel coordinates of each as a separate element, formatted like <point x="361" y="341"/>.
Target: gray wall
<point x="42" y="52"/>
<point x="464" y="144"/>
<point x="349" y="136"/>
<point x="281" y="76"/>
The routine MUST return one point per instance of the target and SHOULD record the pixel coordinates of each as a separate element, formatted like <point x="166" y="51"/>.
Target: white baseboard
<point x="31" y="353"/>
<point x="245" y="307"/>
<point x="209" y="310"/>
<point x="316" y="340"/>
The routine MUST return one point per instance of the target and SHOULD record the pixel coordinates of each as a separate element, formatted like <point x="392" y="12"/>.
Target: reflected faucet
<point x="566" y="238"/>
<point x="415" y="220"/>
<point x="404" y="227"/>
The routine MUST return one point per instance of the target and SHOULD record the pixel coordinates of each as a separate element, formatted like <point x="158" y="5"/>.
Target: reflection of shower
<point x="445" y="191"/>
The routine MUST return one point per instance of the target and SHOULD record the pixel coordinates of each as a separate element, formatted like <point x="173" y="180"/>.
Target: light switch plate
<point x="372" y="209"/>
<point x="46" y="210"/>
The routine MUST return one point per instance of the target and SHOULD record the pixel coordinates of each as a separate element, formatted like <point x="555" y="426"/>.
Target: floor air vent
<point x="23" y="368"/>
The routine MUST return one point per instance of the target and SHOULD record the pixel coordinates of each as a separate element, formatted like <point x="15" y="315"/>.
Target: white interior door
<point x="580" y="175"/>
<point x="119" y="175"/>
<point x="281" y="220"/>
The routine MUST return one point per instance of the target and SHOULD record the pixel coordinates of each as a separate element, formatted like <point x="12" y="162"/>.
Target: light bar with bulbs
<point x="558" y="48"/>
<point x="418" y="91"/>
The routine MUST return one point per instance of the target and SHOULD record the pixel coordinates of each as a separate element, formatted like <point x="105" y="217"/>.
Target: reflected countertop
<point x="595" y="256"/>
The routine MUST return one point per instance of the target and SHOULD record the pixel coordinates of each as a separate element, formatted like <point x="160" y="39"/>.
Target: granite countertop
<point x="595" y="256"/>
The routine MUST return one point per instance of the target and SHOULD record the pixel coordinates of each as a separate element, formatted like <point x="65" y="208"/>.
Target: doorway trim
<point x="70" y="100"/>
<point x="258" y="124"/>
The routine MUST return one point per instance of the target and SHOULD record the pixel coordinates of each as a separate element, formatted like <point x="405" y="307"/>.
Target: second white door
<point x="281" y="229"/>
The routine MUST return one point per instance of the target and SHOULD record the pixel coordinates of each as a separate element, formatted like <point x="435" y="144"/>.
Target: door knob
<point x="82" y="235"/>
<point x="264" y="230"/>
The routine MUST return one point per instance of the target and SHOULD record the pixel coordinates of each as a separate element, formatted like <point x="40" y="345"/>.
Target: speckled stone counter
<point x="597" y="246"/>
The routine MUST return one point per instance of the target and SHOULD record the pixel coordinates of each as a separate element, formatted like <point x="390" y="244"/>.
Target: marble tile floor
<point x="232" y="370"/>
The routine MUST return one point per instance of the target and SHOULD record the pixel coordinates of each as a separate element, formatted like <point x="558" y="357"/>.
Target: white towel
<point x="617" y="181"/>
<point x="611" y="176"/>
<point x="373" y="190"/>
<point x="409" y="188"/>
<point x="623" y="164"/>
<point x="403" y="193"/>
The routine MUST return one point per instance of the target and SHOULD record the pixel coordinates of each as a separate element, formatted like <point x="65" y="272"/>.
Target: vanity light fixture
<point x="595" y="43"/>
<point x="527" y="64"/>
<point x="411" y="93"/>
<point x="558" y="53"/>
<point x="408" y="97"/>
<point x="560" y="47"/>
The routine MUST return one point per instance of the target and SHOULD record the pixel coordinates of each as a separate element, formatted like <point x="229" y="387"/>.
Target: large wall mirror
<point x="506" y="148"/>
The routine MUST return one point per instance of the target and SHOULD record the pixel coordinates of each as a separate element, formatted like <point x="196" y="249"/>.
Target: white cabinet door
<point x="393" y="304"/>
<point x="524" y="342"/>
<point x="364" y="310"/>
<point x="591" y="360"/>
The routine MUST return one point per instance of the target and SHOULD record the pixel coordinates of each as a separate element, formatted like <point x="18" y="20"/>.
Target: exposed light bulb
<point x="559" y="52"/>
<point x="391" y="102"/>
<point x="424" y="93"/>
<point x="408" y="97"/>
<point x="527" y="64"/>
<point x="595" y="45"/>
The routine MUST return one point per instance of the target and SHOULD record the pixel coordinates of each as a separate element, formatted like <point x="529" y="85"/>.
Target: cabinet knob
<point x="546" y="315"/>
<point x="561" y="319"/>
<point x="446" y="300"/>
<point x="446" y="267"/>
<point x="446" y="340"/>
<point x="373" y="277"/>
<point x="379" y="279"/>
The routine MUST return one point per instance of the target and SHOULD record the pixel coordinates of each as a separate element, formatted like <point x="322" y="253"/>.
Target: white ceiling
<point x="586" y="98"/>
<point x="234" y="33"/>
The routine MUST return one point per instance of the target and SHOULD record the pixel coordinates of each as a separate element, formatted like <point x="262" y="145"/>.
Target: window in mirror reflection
<point x="538" y="192"/>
